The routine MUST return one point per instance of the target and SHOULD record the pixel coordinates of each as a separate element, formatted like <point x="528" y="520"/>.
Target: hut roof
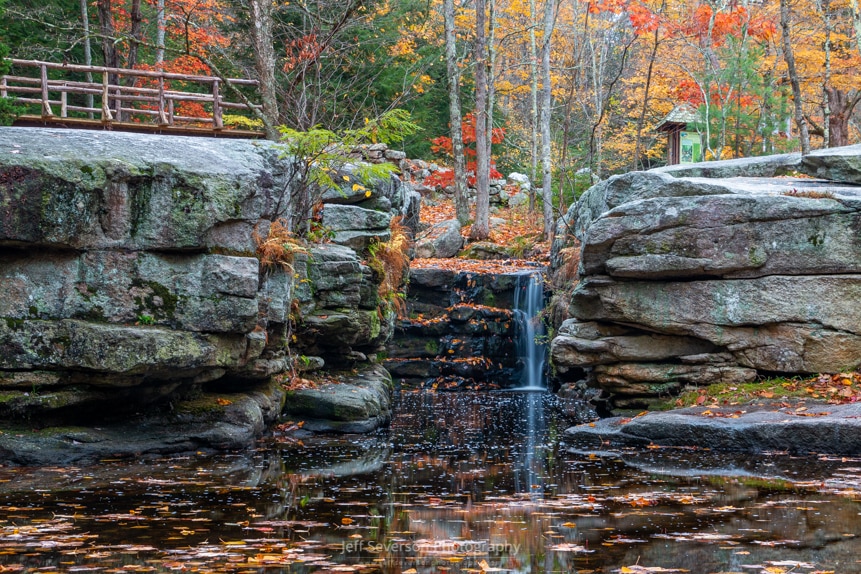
<point x="680" y="116"/>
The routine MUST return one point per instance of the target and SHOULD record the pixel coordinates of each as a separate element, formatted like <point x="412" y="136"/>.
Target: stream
<point x="460" y="482"/>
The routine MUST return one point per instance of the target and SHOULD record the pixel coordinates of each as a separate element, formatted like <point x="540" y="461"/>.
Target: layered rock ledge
<point x="687" y="280"/>
<point x="831" y="429"/>
<point x="132" y="288"/>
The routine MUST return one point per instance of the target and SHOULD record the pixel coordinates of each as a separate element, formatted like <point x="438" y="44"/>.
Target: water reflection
<point x="459" y="483"/>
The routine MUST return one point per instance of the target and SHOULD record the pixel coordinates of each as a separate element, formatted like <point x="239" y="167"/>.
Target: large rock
<point x="215" y="420"/>
<point x="441" y="241"/>
<point x="687" y="281"/>
<point x="359" y="402"/>
<point x="838" y="164"/>
<point x="132" y="281"/>
<point x="823" y="429"/>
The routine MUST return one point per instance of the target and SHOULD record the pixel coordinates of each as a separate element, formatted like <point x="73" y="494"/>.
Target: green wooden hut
<point x="684" y="142"/>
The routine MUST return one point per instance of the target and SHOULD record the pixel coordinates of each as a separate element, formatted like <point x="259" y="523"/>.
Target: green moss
<point x="759" y="483"/>
<point x="206" y="406"/>
<point x="374" y="324"/>
<point x="33" y="311"/>
<point x="757" y="256"/>
<point x="777" y="388"/>
<point x="489" y="298"/>
<point x="817" y="239"/>
<point x="14" y="324"/>
<point x="432" y="347"/>
<point x="163" y="308"/>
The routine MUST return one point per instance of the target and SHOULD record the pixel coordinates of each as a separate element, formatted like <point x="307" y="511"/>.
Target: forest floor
<point x="513" y="228"/>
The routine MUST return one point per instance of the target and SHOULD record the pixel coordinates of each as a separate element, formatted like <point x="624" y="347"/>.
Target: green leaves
<point x="323" y="160"/>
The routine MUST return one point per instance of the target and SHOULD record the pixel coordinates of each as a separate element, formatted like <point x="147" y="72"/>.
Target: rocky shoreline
<point x="764" y="426"/>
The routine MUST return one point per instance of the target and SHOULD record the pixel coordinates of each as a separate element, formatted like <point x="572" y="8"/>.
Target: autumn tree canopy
<point x="616" y="67"/>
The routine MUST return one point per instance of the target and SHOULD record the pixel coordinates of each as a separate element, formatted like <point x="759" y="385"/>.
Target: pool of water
<point x="466" y="482"/>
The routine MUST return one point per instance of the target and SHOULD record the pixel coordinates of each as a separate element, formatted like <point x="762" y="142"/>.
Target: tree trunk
<point x="533" y="101"/>
<point x="134" y="37"/>
<point x="481" y="226"/>
<point x="109" y="32"/>
<point x="109" y="49"/>
<point x="454" y="113"/>
<point x="161" y="23"/>
<point x="546" y="101"/>
<point x="793" y="78"/>
<point x="856" y="23"/>
<point x="491" y="82"/>
<point x="642" y="119"/>
<point x="264" y="59"/>
<point x="88" y="50"/>
<point x="841" y="105"/>
<point x="825" y="8"/>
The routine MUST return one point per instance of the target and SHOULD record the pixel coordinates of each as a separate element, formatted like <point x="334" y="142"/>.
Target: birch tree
<point x="455" y="112"/>
<point x="546" y="102"/>
<point x="789" y="57"/>
<point x="481" y="226"/>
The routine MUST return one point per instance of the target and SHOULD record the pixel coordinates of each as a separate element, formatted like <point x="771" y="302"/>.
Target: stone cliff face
<point x="129" y="273"/>
<point x="688" y="280"/>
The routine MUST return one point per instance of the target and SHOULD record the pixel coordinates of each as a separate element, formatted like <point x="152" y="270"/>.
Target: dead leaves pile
<point x="519" y="225"/>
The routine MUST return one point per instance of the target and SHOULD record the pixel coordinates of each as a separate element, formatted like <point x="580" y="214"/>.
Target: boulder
<point x="358" y="402"/>
<point x="441" y="241"/>
<point x="353" y="218"/>
<point x="132" y="281"/>
<point x="841" y="164"/>
<point x="687" y="280"/>
<point x="520" y="180"/>
<point x="834" y="429"/>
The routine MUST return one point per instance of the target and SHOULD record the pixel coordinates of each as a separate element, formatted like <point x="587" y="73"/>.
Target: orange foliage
<point x="443" y="146"/>
<point x="304" y="49"/>
<point x="518" y="223"/>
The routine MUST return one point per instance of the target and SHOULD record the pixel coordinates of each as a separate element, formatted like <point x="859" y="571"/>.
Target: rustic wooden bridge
<point x="124" y="99"/>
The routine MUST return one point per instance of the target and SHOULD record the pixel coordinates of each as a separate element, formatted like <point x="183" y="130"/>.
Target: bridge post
<point x="107" y="117"/>
<point x="162" y="119"/>
<point x="46" y="104"/>
<point x="217" y="121"/>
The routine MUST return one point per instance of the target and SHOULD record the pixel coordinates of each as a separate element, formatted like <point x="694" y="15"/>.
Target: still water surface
<point x="459" y="483"/>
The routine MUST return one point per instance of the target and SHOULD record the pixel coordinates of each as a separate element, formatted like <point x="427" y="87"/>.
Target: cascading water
<point x="528" y="305"/>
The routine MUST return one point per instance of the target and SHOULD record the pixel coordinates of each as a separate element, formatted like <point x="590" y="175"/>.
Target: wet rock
<point x="211" y="420"/>
<point x="826" y="429"/>
<point x="359" y="402"/>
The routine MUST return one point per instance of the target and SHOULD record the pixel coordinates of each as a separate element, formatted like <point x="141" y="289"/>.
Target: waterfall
<point x="528" y="305"/>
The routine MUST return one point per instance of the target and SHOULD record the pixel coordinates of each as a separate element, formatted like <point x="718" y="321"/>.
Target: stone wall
<point x="129" y="273"/>
<point x="715" y="273"/>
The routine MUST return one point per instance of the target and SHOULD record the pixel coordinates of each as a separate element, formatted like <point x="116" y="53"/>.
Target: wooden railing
<point x="122" y="95"/>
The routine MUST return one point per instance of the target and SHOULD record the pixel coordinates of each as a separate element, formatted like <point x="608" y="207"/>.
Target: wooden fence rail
<point x="143" y="94"/>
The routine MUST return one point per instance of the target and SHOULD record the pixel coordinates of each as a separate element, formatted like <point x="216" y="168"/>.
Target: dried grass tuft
<point x="391" y="259"/>
<point x="279" y="247"/>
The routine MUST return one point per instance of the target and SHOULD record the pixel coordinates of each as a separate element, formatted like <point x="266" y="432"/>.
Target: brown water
<point x="459" y="483"/>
